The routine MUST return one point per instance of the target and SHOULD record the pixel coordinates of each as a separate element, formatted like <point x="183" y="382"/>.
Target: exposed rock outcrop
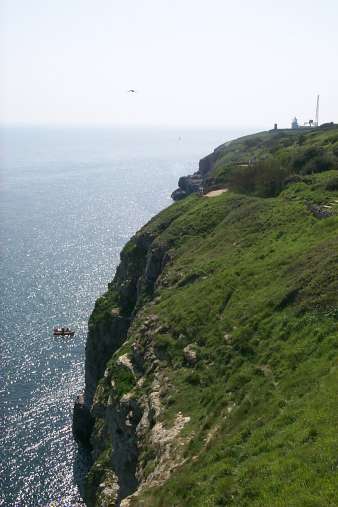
<point x="320" y="211"/>
<point x="190" y="354"/>
<point x="83" y="421"/>
<point x="143" y="451"/>
<point x="103" y="340"/>
<point x="188" y="185"/>
<point x="117" y="416"/>
<point x="108" y="414"/>
<point x="196" y="182"/>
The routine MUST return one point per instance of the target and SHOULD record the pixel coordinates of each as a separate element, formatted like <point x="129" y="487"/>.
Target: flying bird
<point x="131" y="91"/>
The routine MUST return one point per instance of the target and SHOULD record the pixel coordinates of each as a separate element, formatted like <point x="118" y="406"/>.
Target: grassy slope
<point x="284" y="145"/>
<point x="253" y="283"/>
<point x="265" y="274"/>
<point x="290" y="151"/>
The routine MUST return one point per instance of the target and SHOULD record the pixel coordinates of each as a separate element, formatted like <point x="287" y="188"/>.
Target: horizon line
<point x="130" y="126"/>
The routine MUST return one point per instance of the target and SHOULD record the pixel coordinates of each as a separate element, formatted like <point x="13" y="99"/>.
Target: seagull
<point x="131" y="91"/>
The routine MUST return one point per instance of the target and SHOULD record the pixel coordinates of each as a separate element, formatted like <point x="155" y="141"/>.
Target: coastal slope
<point x="211" y="361"/>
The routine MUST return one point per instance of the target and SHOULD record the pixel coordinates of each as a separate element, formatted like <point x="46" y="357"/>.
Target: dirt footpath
<point x="215" y="193"/>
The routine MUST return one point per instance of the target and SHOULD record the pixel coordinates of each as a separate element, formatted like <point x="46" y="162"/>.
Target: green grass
<point x="272" y="157"/>
<point x="265" y="272"/>
<point x="253" y="283"/>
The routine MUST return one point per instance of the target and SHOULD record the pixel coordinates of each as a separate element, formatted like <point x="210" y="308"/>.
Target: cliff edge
<point x="211" y="361"/>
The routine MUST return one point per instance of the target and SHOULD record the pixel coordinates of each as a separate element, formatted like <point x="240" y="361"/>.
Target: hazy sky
<point x="193" y="62"/>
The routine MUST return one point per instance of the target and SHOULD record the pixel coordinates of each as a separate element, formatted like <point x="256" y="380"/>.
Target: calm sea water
<point x="70" y="199"/>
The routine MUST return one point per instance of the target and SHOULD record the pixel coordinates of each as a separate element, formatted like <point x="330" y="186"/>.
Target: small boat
<point x="63" y="331"/>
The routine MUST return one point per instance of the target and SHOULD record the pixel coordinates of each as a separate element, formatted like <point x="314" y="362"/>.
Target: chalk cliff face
<point x="211" y="359"/>
<point x="121" y="419"/>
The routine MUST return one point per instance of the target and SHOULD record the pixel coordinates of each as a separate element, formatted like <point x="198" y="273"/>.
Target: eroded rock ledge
<point x="200" y="180"/>
<point x="112" y="416"/>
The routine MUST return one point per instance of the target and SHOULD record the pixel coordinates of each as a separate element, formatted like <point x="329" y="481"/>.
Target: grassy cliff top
<point x="299" y="151"/>
<point x="251" y="285"/>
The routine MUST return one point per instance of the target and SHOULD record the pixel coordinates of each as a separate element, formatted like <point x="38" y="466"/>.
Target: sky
<point x="193" y="63"/>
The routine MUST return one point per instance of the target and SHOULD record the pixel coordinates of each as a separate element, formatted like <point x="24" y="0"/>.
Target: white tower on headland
<point x="294" y="124"/>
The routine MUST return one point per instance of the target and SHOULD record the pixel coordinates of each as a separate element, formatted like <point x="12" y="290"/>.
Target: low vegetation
<point x="264" y="164"/>
<point x="252" y="283"/>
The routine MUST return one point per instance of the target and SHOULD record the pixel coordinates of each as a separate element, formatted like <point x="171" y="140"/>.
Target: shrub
<point x="293" y="178"/>
<point x="264" y="178"/>
<point x="270" y="178"/>
<point x="303" y="156"/>
<point x="165" y="346"/>
<point x="312" y="160"/>
<point x="193" y="378"/>
<point x="123" y="378"/>
<point x="318" y="164"/>
<point x="332" y="184"/>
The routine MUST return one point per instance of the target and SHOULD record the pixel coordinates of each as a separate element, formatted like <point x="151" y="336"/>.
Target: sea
<point x="70" y="198"/>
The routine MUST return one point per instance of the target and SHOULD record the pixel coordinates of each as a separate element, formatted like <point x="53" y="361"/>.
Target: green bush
<point x="332" y="184"/>
<point x="318" y="164"/>
<point x="165" y="346"/>
<point x="304" y="156"/>
<point x="123" y="378"/>
<point x="264" y="178"/>
<point x="193" y="378"/>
